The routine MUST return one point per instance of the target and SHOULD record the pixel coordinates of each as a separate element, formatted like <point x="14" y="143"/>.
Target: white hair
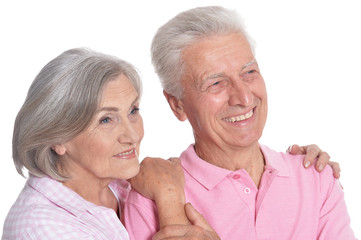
<point x="182" y="31"/>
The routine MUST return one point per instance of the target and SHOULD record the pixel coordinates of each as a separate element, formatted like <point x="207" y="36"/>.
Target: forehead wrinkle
<point x="109" y="108"/>
<point x="116" y="109"/>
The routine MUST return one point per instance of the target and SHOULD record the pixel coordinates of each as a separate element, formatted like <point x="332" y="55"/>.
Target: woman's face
<point x="109" y="147"/>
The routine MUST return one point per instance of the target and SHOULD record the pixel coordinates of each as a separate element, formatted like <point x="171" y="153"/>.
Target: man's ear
<point x="176" y="105"/>
<point x="59" y="149"/>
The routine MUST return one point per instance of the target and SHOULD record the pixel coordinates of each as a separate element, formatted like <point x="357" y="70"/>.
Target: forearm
<point x="163" y="181"/>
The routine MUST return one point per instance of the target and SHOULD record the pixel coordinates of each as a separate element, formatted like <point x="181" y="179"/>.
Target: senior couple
<point x="79" y="130"/>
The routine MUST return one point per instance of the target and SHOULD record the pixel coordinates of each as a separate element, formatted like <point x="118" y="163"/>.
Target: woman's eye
<point x="105" y="120"/>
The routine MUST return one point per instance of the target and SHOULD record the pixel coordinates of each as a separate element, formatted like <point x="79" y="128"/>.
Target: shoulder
<point x="292" y="166"/>
<point x="313" y="187"/>
<point x="136" y="200"/>
<point x="29" y="212"/>
<point x="121" y="188"/>
<point x="140" y="216"/>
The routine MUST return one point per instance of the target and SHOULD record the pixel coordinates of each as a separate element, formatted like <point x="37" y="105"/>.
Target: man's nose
<point x="240" y="94"/>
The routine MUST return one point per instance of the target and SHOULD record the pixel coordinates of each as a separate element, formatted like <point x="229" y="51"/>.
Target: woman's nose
<point x="130" y="133"/>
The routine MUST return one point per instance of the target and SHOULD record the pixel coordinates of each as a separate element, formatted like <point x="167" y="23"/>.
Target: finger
<point x="294" y="149"/>
<point x="196" y="218"/>
<point x="170" y="232"/>
<point x="323" y="160"/>
<point x="170" y="238"/>
<point x="336" y="169"/>
<point x="167" y="232"/>
<point x="174" y="159"/>
<point x="312" y="152"/>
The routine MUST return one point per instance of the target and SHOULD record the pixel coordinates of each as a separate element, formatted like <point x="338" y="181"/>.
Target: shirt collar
<point x="275" y="161"/>
<point x="210" y="175"/>
<point x="58" y="194"/>
<point x="66" y="198"/>
<point x="205" y="173"/>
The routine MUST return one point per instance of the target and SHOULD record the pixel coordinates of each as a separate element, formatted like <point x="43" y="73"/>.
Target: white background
<point x="309" y="53"/>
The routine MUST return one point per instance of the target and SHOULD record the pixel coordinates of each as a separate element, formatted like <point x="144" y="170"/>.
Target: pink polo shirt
<point x="292" y="203"/>
<point x="45" y="209"/>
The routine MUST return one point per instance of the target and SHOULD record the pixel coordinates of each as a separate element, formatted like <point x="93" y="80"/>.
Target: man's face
<point x="225" y="97"/>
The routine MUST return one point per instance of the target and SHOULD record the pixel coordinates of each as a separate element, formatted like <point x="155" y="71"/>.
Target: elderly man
<point x="243" y="189"/>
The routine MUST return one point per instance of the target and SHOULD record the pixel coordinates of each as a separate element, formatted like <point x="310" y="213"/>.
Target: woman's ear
<point x="176" y="105"/>
<point x="59" y="149"/>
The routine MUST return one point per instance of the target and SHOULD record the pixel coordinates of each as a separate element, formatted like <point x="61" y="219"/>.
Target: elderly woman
<point x="78" y="135"/>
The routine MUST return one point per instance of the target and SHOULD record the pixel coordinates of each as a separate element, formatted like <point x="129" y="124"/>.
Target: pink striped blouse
<point x="45" y="209"/>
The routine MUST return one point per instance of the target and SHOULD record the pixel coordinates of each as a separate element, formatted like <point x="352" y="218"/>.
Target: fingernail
<point x="289" y="149"/>
<point x="320" y="167"/>
<point x="307" y="164"/>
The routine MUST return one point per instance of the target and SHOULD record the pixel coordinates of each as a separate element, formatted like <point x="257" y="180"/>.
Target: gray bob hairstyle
<point x="60" y="104"/>
<point x="182" y="31"/>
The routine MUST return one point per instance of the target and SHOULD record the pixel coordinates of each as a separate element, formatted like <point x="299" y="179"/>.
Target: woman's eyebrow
<point x="115" y="109"/>
<point x="109" y="109"/>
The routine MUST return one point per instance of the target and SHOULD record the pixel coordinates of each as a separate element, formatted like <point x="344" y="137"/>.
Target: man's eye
<point x="217" y="86"/>
<point x="250" y="75"/>
<point x="105" y="120"/>
<point x="134" y="111"/>
<point x="217" y="83"/>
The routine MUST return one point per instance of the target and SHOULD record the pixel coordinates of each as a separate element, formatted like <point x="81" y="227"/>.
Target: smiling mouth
<point x="240" y="118"/>
<point x="126" y="153"/>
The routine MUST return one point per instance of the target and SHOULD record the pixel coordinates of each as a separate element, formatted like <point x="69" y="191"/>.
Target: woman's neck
<point x="91" y="188"/>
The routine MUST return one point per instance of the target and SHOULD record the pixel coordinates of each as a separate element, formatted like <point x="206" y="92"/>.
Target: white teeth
<point x="126" y="153"/>
<point x="240" y="118"/>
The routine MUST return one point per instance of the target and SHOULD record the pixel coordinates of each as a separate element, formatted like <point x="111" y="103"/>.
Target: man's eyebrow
<point x="248" y="64"/>
<point x="215" y="75"/>
<point x="222" y="74"/>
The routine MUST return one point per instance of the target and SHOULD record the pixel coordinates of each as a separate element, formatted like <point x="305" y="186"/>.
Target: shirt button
<point x="247" y="191"/>
<point x="236" y="176"/>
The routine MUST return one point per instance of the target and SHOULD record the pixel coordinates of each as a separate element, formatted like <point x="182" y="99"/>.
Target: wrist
<point x="170" y="206"/>
<point x="170" y="192"/>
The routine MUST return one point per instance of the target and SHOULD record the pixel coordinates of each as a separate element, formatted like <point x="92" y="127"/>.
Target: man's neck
<point x="233" y="158"/>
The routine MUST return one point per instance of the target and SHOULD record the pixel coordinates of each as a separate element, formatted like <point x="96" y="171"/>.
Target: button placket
<point x="246" y="190"/>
